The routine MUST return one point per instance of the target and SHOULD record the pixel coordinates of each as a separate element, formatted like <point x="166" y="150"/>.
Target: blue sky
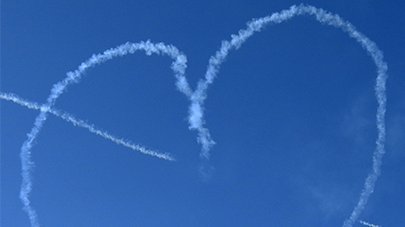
<point x="292" y="113"/>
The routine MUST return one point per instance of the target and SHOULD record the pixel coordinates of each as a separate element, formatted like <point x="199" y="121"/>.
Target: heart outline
<point x="197" y="98"/>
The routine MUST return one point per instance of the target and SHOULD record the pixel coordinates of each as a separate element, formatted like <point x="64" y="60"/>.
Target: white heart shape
<point x="198" y="97"/>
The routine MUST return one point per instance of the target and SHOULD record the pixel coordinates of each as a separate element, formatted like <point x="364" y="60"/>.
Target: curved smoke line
<point x="196" y="109"/>
<point x="178" y="66"/>
<point x="83" y="124"/>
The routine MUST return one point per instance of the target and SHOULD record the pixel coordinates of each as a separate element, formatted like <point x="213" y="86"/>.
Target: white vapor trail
<point x="82" y="124"/>
<point x="199" y="95"/>
<point x="196" y="109"/>
<point x="368" y="224"/>
<point x="178" y="66"/>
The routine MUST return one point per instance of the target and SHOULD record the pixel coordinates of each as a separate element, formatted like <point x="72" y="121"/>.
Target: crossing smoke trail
<point x="80" y="123"/>
<point x="368" y="224"/>
<point x="178" y="66"/>
<point x="196" y="109"/>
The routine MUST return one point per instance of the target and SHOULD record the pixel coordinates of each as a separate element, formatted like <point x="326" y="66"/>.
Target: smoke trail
<point x="196" y="110"/>
<point x="80" y="123"/>
<point x="178" y="66"/>
<point x="368" y="224"/>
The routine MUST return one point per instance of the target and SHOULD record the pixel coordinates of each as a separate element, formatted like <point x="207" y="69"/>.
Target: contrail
<point x="196" y="109"/>
<point x="80" y="123"/>
<point x="368" y="224"/>
<point x="178" y="66"/>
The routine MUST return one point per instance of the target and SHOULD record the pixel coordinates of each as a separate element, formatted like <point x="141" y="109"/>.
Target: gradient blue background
<point x="292" y="113"/>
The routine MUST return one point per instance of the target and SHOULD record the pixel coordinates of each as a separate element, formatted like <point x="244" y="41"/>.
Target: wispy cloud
<point x="358" y="121"/>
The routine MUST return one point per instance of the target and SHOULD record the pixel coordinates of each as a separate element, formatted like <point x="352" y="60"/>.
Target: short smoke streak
<point x="178" y="66"/>
<point x="368" y="224"/>
<point x="82" y="124"/>
<point x="196" y="109"/>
